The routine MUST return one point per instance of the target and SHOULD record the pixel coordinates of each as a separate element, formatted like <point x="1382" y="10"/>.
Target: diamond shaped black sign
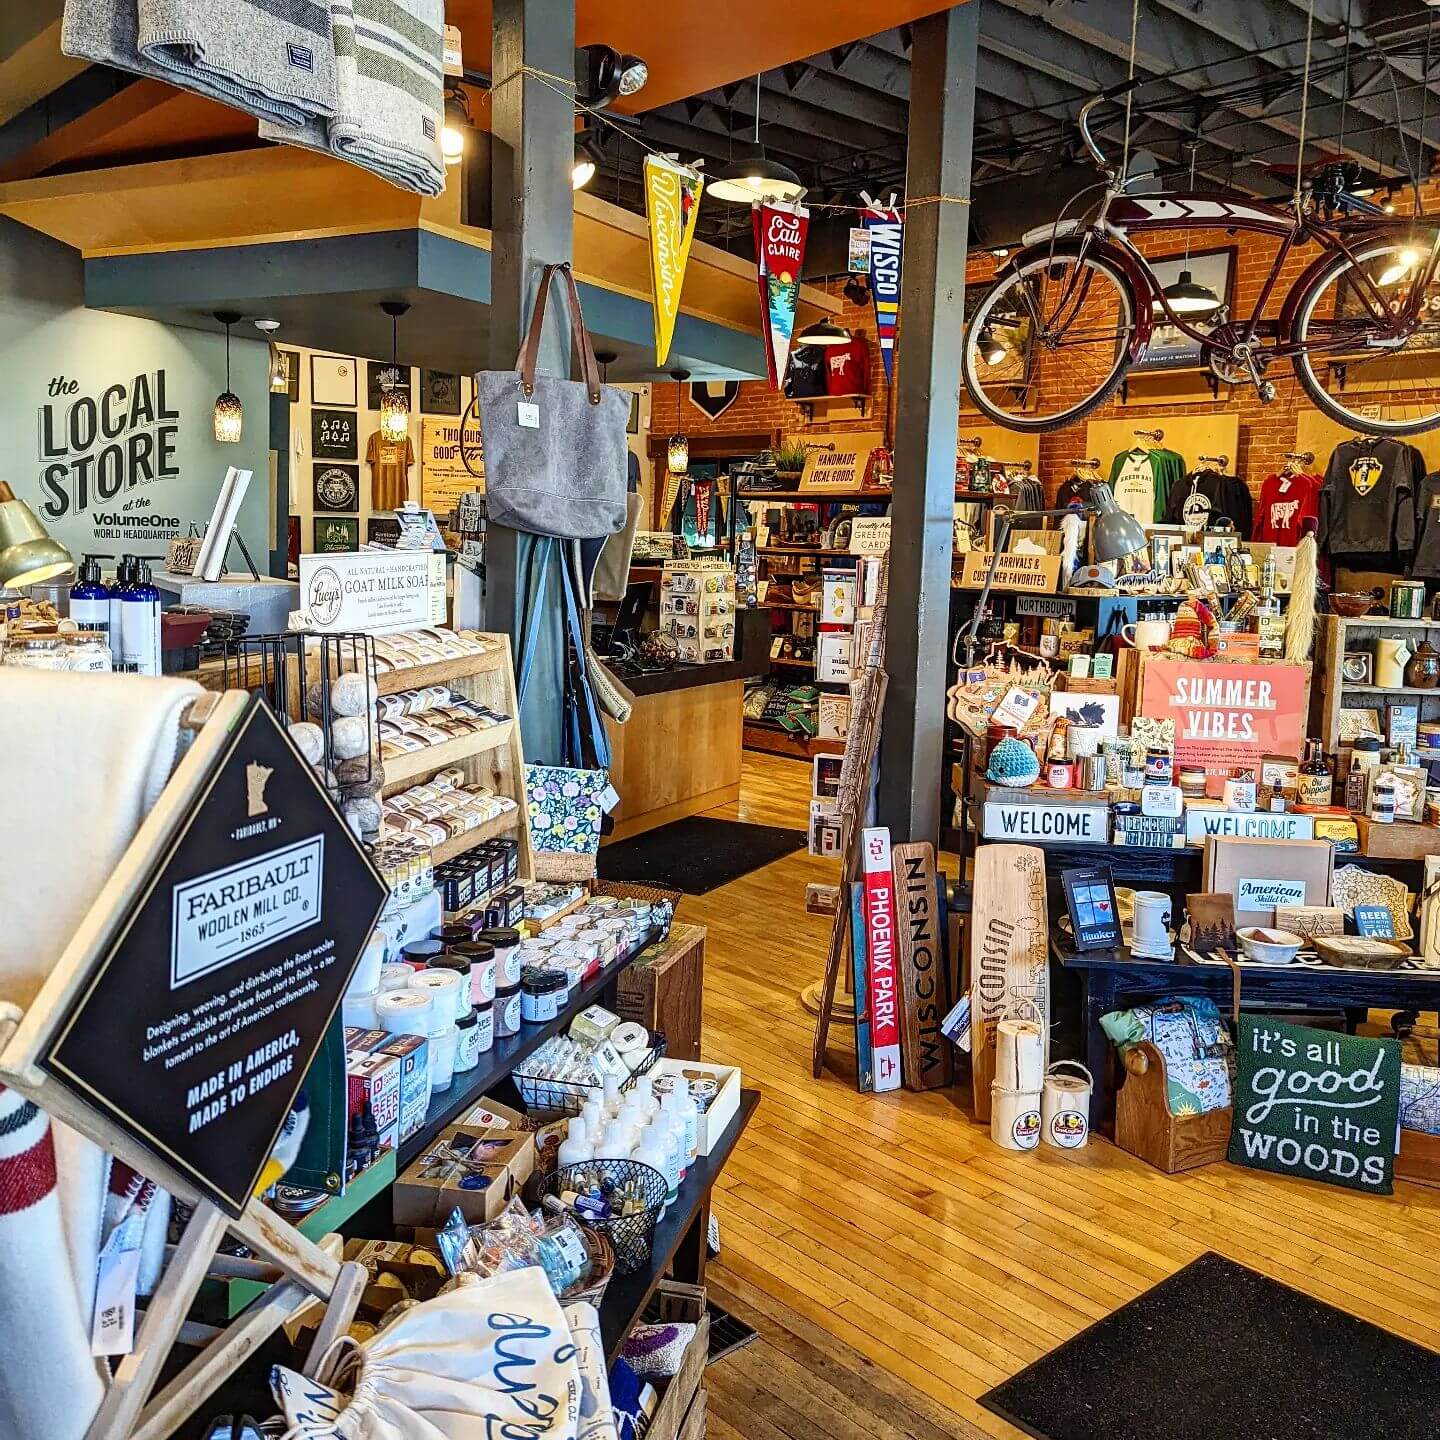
<point x="197" y="1027"/>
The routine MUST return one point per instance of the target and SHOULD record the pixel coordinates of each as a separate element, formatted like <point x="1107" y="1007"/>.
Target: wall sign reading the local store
<point x="373" y="590"/>
<point x="1227" y="715"/>
<point x="214" y="992"/>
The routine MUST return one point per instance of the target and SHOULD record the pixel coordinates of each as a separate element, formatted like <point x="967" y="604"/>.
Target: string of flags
<point x="886" y="227"/>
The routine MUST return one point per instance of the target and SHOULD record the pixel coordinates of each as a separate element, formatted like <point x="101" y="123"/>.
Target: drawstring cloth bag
<point x="556" y="458"/>
<point x="493" y="1358"/>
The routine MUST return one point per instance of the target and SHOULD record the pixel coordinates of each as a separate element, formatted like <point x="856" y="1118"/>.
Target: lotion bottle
<point x="577" y="1146"/>
<point x="140" y="623"/>
<point x="90" y="600"/>
<point x="117" y="595"/>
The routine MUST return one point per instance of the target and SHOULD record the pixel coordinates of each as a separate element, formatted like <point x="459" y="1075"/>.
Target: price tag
<point x="529" y="415"/>
<point x="608" y="799"/>
<point x="113" y="1331"/>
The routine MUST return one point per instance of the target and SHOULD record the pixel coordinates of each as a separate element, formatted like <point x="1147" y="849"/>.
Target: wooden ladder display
<point x="304" y="1274"/>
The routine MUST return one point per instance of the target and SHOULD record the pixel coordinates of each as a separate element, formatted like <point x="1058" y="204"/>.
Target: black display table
<point x="1111" y="980"/>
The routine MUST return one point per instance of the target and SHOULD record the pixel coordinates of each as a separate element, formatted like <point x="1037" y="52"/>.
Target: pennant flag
<point x="672" y="204"/>
<point x="887" y="231"/>
<point x="780" y="232"/>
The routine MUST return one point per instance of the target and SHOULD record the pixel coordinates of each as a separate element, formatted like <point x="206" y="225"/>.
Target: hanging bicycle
<point x="1055" y="334"/>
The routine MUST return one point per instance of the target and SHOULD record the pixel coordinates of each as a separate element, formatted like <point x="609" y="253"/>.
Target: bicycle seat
<point x="1057" y="230"/>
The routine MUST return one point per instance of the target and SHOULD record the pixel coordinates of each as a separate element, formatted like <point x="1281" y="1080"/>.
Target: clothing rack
<point x="1296" y="461"/>
<point x="1157" y="436"/>
<point x="1219" y="461"/>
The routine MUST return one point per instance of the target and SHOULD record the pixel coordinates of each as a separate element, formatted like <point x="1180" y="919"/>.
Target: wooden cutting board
<point x="1009" y="954"/>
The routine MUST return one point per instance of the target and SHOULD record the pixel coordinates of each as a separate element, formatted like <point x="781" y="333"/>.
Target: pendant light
<point x="394" y="401"/>
<point x="1184" y="295"/>
<point x="677" y="451"/>
<point x="823" y="332"/>
<point x="752" y="175"/>
<point x="229" y="414"/>
<point x="457" y="125"/>
<point x="587" y="162"/>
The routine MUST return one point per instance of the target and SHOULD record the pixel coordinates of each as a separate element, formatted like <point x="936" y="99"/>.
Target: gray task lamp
<point x="1114" y="534"/>
<point x="28" y="556"/>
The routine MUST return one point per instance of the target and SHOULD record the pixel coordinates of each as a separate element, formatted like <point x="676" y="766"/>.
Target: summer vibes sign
<point x="780" y="232"/>
<point x="1316" y="1104"/>
<point x="1227" y="715"/>
<point x="672" y="204"/>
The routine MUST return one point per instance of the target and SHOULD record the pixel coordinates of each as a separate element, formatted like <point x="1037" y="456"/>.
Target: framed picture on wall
<point x="1169" y="347"/>
<point x="335" y="533"/>
<point x="334" y="434"/>
<point x="382" y="530"/>
<point x="332" y="380"/>
<point x="337" y="487"/>
<point x="439" y="393"/>
<point x="380" y="377"/>
<point x="290" y="359"/>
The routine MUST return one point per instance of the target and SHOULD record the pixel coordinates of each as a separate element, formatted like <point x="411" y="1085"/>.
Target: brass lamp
<point x="28" y="556"/>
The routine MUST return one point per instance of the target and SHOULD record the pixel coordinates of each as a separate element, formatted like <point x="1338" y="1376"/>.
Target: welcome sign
<point x="1317" y="1104"/>
<point x="1227" y="715"/>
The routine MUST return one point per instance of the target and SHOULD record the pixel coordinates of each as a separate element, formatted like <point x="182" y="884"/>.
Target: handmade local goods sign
<point x="216" y="987"/>
<point x="928" y="1060"/>
<point x="444" y="448"/>
<point x="1316" y="1103"/>
<point x="839" y="461"/>
<point x="373" y="590"/>
<point x="672" y="205"/>
<point x="1228" y="715"/>
<point x="1035" y="573"/>
<point x="780" y="232"/>
<point x="883" y="991"/>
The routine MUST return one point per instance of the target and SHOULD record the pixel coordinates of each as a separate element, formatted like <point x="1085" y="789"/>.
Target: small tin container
<point x="507" y="1012"/>
<point x="1407" y="600"/>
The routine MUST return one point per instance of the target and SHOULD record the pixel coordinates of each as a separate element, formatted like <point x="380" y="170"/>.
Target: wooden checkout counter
<point x="680" y="751"/>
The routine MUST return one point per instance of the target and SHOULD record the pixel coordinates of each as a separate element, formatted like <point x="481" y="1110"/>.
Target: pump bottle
<point x="140" y="622"/>
<point x="117" y="591"/>
<point x="90" y="599"/>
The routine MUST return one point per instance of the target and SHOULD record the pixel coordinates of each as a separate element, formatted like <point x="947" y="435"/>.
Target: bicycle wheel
<point x="1371" y="386"/>
<point x="1049" y="341"/>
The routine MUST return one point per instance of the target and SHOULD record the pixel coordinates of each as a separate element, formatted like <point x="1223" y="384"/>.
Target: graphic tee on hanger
<point x="1367" y="499"/>
<point x="1164" y="468"/>
<point x="1205" y="495"/>
<point x="1133" y="481"/>
<point x="390" y="464"/>
<point x="1427" y="529"/>
<point x="847" y="367"/>
<point x="1286" y="502"/>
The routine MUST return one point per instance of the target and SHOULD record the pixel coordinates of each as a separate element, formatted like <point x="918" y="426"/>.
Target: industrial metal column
<point x="927" y="415"/>
<point x="532" y="122"/>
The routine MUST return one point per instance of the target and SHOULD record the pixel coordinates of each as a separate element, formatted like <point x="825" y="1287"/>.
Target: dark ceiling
<point x="1222" y="81"/>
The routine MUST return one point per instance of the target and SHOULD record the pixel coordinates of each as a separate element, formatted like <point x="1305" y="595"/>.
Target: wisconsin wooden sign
<point x="928" y="1062"/>
<point x="1009" y="954"/>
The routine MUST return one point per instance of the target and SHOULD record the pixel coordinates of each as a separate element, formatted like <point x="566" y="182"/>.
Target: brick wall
<point x="1266" y="431"/>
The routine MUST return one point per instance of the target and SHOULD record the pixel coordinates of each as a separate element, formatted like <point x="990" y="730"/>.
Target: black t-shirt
<point x="1367" y="499"/>
<point x="1210" y="495"/>
<point x="806" y="375"/>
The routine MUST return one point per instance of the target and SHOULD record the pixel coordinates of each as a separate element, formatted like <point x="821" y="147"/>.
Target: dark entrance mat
<point x="1218" y="1349"/>
<point x="697" y="854"/>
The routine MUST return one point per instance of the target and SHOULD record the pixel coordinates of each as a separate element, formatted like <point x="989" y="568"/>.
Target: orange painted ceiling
<point x="689" y="46"/>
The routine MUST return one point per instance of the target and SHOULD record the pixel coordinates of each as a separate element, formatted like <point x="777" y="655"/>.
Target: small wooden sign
<point x="1038" y="821"/>
<point x="841" y="461"/>
<point x="182" y="553"/>
<point x="1248" y="824"/>
<point x="929" y="1064"/>
<point x="1309" y="921"/>
<point x="1212" y="922"/>
<point x="1036" y="574"/>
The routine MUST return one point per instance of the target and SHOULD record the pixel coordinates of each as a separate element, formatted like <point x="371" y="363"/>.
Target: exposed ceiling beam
<point x="31" y="64"/>
<point x="808" y="117"/>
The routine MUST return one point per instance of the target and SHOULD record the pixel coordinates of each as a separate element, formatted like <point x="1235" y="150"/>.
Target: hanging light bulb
<point x="677" y="452"/>
<point x="1400" y="266"/>
<point x="1185" y="297"/>
<point x="279" y="372"/>
<point x="394" y="401"/>
<point x="751" y="175"/>
<point x="229" y="414"/>
<point x="586" y="163"/>
<point x="457" y="125"/>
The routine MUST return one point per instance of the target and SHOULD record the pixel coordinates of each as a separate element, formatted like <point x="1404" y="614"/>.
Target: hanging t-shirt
<point x="805" y="377"/>
<point x="1286" y="502"/>
<point x="390" y="463"/>
<point x="1074" y="493"/>
<point x="847" y="367"/>
<point x="1133" y="481"/>
<point x="1367" y="499"/>
<point x="1165" y="468"/>
<point x="1427" y="529"/>
<point x="1204" y="496"/>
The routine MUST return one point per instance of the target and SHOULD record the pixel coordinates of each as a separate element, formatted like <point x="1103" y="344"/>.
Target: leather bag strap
<point x="581" y="350"/>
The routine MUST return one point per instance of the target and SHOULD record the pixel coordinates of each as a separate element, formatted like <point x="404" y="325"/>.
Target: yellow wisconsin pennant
<point x="672" y="203"/>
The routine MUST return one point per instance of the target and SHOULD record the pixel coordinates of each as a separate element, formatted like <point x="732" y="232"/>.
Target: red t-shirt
<point x="1286" y="501"/>
<point x="847" y="368"/>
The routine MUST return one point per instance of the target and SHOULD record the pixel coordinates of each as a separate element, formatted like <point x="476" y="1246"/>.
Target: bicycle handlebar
<point x="1083" y="120"/>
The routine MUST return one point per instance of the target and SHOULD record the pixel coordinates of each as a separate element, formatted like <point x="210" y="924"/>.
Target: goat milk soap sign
<point x="1317" y="1104"/>
<point x="213" y="992"/>
<point x="373" y="590"/>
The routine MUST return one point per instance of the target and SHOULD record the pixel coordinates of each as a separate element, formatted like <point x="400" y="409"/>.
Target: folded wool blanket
<point x="274" y="59"/>
<point x="390" y="80"/>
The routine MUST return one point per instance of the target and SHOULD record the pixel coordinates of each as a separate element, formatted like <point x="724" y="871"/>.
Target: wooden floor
<point x="897" y="1264"/>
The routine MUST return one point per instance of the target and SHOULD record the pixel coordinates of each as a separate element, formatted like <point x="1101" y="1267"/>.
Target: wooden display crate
<point x="1145" y="1127"/>
<point x="664" y="990"/>
<point x="681" y="1412"/>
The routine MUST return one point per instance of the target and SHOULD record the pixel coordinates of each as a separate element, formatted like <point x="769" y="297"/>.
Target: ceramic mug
<point x="1152" y="920"/>
<point x="1146" y="634"/>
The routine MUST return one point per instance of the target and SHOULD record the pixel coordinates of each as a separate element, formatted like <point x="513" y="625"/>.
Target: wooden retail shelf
<point x="792" y="662"/>
<point x="858" y="401"/>
<point x="486" y="830"/>
<point x="1346" y="688"/>
<point x="440" y="672"/>
<point x="786" y="605"/>
<point x="800" y="550"/>
<point x="771" y="739"/>
<point x="405" y="768"/>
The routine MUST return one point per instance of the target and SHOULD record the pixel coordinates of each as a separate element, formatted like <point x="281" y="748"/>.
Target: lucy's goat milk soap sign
<point x="1227" y="715"/>
<point x="217" y="980"/>
<point x="373" y="590"/>
<point x="1317" y="1104"/>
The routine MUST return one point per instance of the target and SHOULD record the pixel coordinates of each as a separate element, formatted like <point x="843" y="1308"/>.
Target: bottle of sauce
<point x="1313" y="783"/>
<point x="1059" y="769"/>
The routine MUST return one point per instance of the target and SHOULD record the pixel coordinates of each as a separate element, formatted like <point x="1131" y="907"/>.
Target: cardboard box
<point x="664" y="990"/>
<point x="492" y="1115"/>
<point x="1262" y="874"/>
<point x="1399" y="840"/>
<point x="412" y="1054"/>
<point x="430" y="1187"/>
<point x="376" y="1078"/>
<point x="715" y="1121"/>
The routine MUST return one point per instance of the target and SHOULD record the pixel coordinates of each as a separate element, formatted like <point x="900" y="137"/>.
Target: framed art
<point x="1355" y="667"/>
<point x="334" y="434"/>
<point x="336" y="533"/>
<point x="632" y="425"/>
<point x="439" y="393"/>
<point x="1084" y="708"/>
<point x="337" y="487"/>
<point x="332" y="380"/>
<point x="382" y="530"/>
<point x="381" y="376"/>
<point x="1094" y="912"/>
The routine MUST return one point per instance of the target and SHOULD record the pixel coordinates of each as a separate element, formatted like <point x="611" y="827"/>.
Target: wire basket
<point x="632" y="1236"/>
<point x="554" y="1099"/>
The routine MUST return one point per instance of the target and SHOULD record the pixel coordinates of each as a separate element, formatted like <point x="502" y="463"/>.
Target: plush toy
<point x="1191" y="631"/>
